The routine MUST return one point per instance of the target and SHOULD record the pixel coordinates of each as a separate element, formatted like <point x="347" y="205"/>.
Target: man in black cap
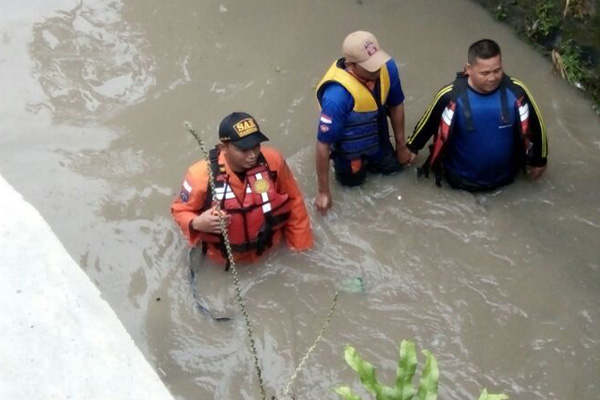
<point x="258" y="196"/>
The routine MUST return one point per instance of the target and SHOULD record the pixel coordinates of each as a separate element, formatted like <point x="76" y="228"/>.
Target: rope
<point x="286" y="392"/>
<point x="238" y="291"/>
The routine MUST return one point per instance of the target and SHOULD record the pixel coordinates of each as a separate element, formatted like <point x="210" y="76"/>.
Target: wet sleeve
<point x="188" y="204"/>
<point x="537" y="156"/>
<point x="396" y="95"/>
<point x="429" y="123"/>
<point x="297" y="231"/>
<point x="336" y="104"/>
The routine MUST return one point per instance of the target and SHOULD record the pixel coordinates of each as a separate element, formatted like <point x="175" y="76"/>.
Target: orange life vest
<point x="255" y="216"/>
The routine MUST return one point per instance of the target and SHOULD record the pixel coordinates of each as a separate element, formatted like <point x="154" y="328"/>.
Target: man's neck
<point x="370" y="84"/>
<point x="479" y="91"/>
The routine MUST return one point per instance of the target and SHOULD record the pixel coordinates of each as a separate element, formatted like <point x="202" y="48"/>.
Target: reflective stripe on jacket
<point x="192" y="201"/>
<point x="438" y="121"/>
<point x="256" y="215"/>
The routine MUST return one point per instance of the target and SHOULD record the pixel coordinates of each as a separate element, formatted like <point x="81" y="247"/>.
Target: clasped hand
<point x="210" y="220"/>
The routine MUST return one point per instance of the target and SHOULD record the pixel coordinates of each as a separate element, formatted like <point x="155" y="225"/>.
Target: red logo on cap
<point x="371" y="49"/>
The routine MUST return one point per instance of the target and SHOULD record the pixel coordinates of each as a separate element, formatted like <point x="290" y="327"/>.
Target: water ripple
<point x="90" y="62"/>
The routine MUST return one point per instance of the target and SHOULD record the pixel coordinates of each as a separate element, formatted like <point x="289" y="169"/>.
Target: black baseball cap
<point x="241" y="130"/>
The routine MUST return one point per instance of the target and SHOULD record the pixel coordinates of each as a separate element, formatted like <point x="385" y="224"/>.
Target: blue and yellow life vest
<point x="367" y="122"/>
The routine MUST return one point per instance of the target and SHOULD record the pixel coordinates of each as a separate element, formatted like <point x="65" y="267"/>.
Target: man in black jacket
<point x="486" y="126"/>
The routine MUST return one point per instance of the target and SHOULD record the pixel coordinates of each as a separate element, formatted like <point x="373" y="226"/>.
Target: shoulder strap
<point x="213" y="157"/>
<point x="459" y="90"/>
<point x="504" y="84"/>
<point x="262" y="160"/>
<point x="376" y="93"/>
<point x="215" y="168"/>
<point x="461" y="84"/>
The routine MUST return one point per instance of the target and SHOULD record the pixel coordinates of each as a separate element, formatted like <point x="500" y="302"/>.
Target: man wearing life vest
<point x="485" y="127"/>
<point x="258" y="195"/>
<point x="357" y="95"/>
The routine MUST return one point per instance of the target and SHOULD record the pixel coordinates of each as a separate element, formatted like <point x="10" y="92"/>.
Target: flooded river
<point x="503" y="288"/>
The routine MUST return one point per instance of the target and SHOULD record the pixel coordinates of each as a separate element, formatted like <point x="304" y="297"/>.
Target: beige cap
<point x="363" y="48"/>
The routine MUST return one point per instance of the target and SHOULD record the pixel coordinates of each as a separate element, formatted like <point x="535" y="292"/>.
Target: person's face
<point x="364" y="74"/>
<point x="485" y="75"/>
<point x="240" y="160"/>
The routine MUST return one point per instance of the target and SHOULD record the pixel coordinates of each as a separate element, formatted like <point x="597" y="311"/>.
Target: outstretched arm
<point x="403" y="154"/>
<point x="537" y="155"/>
<point x="336" y="104"/>
<point x="297" y="231"/>
<point x="430" y="121"/>
<point x="323" y="200"/>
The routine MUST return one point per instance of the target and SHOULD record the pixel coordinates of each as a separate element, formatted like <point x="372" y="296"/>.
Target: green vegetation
<point x="500" y="13"/>
<point x="568" y="31"/>
<point x="546" y="21"/>
<point x="405" y="371"/>
<point x="567" y="60"/>
<point x="486" y="396"/>
<point x="576" y="9"/>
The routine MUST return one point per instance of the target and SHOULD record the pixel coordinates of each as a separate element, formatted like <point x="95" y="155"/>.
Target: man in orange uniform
<point x="259" y="198"/>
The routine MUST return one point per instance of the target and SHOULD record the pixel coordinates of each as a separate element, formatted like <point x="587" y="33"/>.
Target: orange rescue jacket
<point x="255" y="196"/>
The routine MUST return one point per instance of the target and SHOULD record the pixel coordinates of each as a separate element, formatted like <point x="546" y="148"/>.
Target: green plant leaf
<point x="364" y="369"/>
<point x="387" y="393"/>
<point x="486" y="396"/>
<point x="428" y="385"/>
<point x="405" y="371"/>
<point x="347" y="393"/>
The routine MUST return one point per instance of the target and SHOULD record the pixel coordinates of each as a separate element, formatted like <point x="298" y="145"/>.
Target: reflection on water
<point x="502" y="287"/>
<point x="88" y="60"/>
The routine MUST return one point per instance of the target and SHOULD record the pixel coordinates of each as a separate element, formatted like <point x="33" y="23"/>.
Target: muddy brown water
<point x="503" y="288"/>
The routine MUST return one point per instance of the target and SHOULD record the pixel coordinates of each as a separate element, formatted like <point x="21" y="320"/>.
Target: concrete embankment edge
<point x="58" y="338"/>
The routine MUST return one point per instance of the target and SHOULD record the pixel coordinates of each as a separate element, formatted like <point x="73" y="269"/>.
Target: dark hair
<point x="484" y="49"/>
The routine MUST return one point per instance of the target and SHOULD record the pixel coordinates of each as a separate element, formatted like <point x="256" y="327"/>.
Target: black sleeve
<point x="429" y="123"/>
<point x="537" y="156"/>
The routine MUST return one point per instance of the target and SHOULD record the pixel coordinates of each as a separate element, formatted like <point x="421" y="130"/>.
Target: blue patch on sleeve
<point x="184" y="196"/>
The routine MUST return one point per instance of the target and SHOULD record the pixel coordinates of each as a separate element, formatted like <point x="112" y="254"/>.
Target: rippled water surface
<point x="503" y="288"/>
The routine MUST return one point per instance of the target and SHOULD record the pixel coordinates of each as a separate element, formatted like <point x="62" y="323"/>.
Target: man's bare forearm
<point x="397" y="120"/>
<point x="322" y="155"/>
